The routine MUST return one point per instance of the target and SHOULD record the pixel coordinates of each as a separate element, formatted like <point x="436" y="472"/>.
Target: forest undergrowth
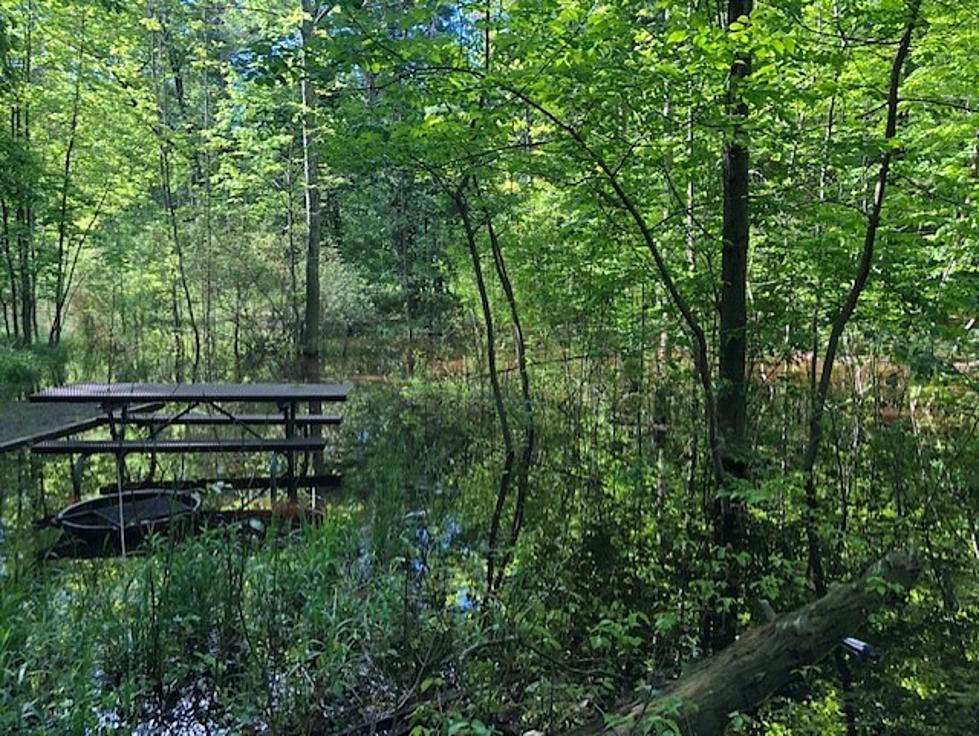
<point x="379" y="619"/>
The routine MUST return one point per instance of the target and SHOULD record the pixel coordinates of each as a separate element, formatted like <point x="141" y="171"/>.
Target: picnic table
<point x="124" y="406"/>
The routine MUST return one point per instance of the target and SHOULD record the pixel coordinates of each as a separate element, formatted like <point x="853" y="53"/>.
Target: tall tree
<point x="729" y="513"/>
<point x="310" y="349"/>
<point x="310" y="363"/>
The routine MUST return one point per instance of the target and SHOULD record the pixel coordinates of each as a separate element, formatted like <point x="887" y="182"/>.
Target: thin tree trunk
<point x="209" y="337"/>
<point x="178" y="249"/>
<point x="527" y="453"/>
<point x="11" y="270"/>
<point x="24" y="265"/>
<point x="506" y="476"/>
<point x="297" y="329"/>
<point x="25" y="218"/>
<point x="178" y="342"/>
<point x="171" y="208"/>
<point x="816" y="568"/>
<point x="70" y="284"/>
<point x="690" y="321"/>
<point x="236" y="337"/>
<point x="403" y="237"/>
<point x="310" y="361"/>
<point x="311" y="323"/>
<point x="60" y="293"/>
<point x="821" y="391"/>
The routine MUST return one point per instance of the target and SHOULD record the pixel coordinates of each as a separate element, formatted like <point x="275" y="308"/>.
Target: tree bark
<point x="731" y="412"/>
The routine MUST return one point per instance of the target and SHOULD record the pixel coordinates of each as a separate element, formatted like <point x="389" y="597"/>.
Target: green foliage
<point x="20" y="372"/>
<point x="23" y="371"/>
<point x="152" y="187"/>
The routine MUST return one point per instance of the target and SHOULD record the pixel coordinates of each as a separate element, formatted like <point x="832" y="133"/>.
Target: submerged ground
<point x="378" y="620"/>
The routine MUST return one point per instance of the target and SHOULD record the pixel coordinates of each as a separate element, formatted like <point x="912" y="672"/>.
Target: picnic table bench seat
<point x="325" y="480"/>
<point x="198" y="419"/>
<point x="231" y="444"/>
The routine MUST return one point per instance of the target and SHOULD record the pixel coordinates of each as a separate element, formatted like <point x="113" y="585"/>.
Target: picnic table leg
<point x="77" y="475"/>
<point x="119" y="433"/>
<point x="290" y="416"/>
<point x="319" y="468"/>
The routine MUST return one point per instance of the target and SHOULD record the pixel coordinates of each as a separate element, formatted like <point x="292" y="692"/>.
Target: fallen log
<point x="745" y="674"/>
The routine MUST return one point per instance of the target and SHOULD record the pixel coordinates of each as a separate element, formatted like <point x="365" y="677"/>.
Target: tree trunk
<point x="731" y="396"/>
<point x="729" y="513"/>
<point x="310" y="358"/>
<point x="63" y="265"/>
<point x="492" y="554"/>
<point x="171" y="208"/>
<point x="296" y="331"/>
<point x="11" y="270"/>
<point x="403" y="242"/>
<point x="24" y="263"/>
<point x="164" y="126"/>
<point x="747" y="673"/>
<point x="25" y="217"/>
<point x="691" y="322"/>
<point x="520" y="347"/>
<point x="209" y="290"/>
<point x="310" y="363"/>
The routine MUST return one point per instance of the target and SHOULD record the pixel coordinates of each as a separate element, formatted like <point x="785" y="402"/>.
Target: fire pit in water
<point x="143" y="512"/>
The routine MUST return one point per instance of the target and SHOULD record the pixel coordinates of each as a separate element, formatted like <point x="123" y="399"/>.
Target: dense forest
<point x="662" y="321"/>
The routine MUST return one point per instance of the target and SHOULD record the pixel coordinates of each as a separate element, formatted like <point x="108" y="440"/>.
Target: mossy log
<point x="745" y="674"/>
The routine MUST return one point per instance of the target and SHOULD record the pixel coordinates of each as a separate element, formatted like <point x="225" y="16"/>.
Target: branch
<point x="941" y="103"/>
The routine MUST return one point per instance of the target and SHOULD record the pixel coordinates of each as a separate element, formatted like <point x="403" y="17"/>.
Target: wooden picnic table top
<point x="126" y="393"/>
